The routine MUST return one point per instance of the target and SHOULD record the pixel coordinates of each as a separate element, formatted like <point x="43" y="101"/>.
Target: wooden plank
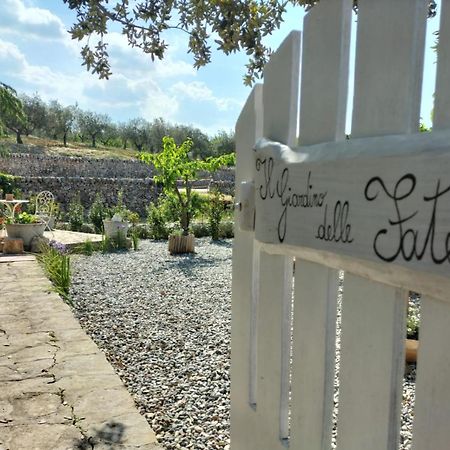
<point x="313" y="356"/>
<point x="243" y="341"/>
<point x="371" y="365"/>
<point x="281" y="91"/>
<point x="386" y="101"/>
<point x="274" y="294"/>
<point x="388" y="73"/>
<point x="325" y="63"/>
<point x="441" y="115"/>
<point x="280" y="101"/>
<point x="368" y="204"/>
<point x="325" y="71"/>
<point x="432" y="405"/>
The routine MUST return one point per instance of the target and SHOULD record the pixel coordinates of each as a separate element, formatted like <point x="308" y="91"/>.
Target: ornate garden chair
<point x="45" y="202"/>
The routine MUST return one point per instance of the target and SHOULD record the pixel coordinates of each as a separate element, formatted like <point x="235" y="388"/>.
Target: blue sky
<point x="37" y="55"/>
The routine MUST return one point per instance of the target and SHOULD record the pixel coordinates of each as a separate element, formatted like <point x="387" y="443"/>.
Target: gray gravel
<point x="164" y="324"/>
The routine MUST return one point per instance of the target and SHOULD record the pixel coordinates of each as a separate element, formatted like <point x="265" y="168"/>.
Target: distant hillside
<point x="50" y="147"/>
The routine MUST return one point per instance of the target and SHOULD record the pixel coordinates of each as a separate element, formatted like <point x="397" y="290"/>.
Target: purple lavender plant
<point x="58" y="246"/>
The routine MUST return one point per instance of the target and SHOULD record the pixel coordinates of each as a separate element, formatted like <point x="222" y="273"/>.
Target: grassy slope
<point x="52" y="147"/>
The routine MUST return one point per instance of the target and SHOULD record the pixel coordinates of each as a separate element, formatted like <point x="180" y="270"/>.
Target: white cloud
<point x="199" y="91"/>
<point x="19" y="19"/>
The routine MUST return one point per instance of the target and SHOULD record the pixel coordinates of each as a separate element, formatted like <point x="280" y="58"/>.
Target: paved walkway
<point x="57" y="391"/>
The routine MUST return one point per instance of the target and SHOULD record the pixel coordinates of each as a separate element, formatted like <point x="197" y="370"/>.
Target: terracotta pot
<point x="9" y="197"/>
<point x="411" y="347"/>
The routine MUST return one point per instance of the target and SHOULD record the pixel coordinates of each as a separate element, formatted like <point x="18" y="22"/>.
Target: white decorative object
<point x="115" y="226"/>
<point x="25" y="231"/>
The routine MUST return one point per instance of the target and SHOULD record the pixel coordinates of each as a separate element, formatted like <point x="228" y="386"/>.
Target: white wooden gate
<point x="376" y="206"/>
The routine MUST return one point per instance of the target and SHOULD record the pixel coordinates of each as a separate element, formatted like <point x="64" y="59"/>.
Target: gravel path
<point x="164" y="324"/>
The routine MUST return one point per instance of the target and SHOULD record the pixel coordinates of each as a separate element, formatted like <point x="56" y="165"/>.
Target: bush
<point x="226" y="230"/>
<point x="200" y="230"/>
<point x="142" y="230"/>
<point x="97" y="213"/>
<point x="88" y="228"/>
<point x="56" y="264"/>
<point x="215" y="211"/>
<point x="75" y="214"/>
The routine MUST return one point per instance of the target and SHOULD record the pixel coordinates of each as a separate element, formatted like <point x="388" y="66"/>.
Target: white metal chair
<point x="45" y="202"/>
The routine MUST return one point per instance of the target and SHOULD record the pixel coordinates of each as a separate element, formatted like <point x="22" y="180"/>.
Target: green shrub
<point x="7" y="183"/>
<point x="87" y="248"/>
<point x="98" y="213"/>
<point x="157" y="220"/>
<point x="118" y="242"/>
<point x="215" y="211"/>
<point x="226" y="230"/>
<point x="200" y="229"/>
<point x="135" y="239"/>
<point x="88" y="228"/>
<point x="142" y="230"/>
<point x="75" y="214"/>
<point x="56" y="264"/>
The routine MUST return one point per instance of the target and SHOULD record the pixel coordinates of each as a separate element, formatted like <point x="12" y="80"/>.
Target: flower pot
<point x="25" y="231"/>
<point x="181" y="244"/>
<point x="113" y="228"/>
<point x="411" y="347"/>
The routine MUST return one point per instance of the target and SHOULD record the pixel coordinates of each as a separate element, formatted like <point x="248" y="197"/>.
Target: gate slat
<point x="323" y="101"/>
<point x="432" y="406"/>
<point x="248" y="130"/>
<point x="314" y="356"/>
<point x="389" y="66"/>
<point x="371" y="364"/>
<point x="441" y="119"/>
<point x="280" y="100"/>
<point x="274" y="292"/>
<point x="388" y="76"/>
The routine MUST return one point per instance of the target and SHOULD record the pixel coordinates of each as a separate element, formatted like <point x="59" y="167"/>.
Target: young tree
<point x="11" y="111"/>
<point x="174" y="164"/>
<point x="233" y="25"/>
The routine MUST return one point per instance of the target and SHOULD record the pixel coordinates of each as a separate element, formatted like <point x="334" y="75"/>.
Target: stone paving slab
<point x="57" y="390"/>
<point x="72" y="238"/>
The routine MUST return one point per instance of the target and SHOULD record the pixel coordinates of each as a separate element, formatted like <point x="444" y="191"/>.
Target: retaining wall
<point x="137" y="193"/>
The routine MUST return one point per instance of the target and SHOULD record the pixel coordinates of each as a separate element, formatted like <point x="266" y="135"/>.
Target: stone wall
<point x="137" y="193"/>
<point x="27" y="165"/>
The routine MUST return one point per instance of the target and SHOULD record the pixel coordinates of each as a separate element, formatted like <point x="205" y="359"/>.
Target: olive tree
<point x="92" y="124"/>
<point x="12" y="115"/>
<point x="232" y="25"/>
<point x="60" y="120"/>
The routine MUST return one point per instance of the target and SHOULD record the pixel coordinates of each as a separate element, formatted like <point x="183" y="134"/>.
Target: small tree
<point x="173" y="165"/>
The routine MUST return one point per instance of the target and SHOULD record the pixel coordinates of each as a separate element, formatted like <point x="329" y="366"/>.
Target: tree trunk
<point x="65" y="139"/>
<point x="19" y="137"/>
<point x="93" y="141"/>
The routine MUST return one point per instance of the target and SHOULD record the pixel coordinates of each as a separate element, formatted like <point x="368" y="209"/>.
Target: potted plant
<point x="25" y="226"/>
<point x="119" y="219"/>
<point x="176" y="171"/>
